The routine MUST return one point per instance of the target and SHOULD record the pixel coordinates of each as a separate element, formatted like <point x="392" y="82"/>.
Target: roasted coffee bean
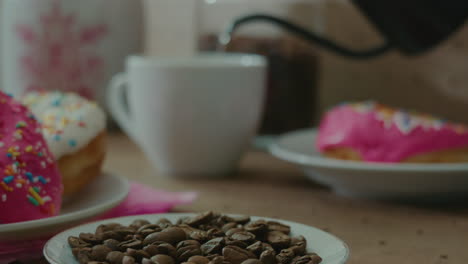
<point x="115" y="257"/>
<point x="171" y="235"/>
<point x="76" y="242"/>
<point x="75" y="251"/>
<point x="298" y="239"/>
<point x="83" y="255"/>
<point x="188" y="229"/>
<point x="112" y="244"/>
<point x="157" y="237"/>
<point x="278" y="240"/>
<point x="125" y="231"/>
<point x="299" y="248"/>
<point x="137" y="237"/>
<point x="152" y="249"/>
<point x="164" y="223"/>
<point x="198" y="260"/>
<point x="258" y="228"/>
<point x="199" y="235"/>
<point x="256" y="248"/>
<point x="177" y="234"/>
<point x="146" y="261"/>
<point x="277" y="226"/>
<point x="128" y="237"/>
<point x="99" y="252"/>
<point x="134" y="244"/>
<point x="128" y="260"/>
<point x="214" y="232"/>
<point x="267" y="246"/>
<point x="213" y="246"/>
<point x="217" y="260"/>
<point x="218" y="220"/>
<point x="243" y="236"/>
<point x="107" y="227"/>
<point x="308" y="259"/>
<point x="237" y="243"/>
<point x="182" y="220"/>
<point x="90" y="238"/>
<point x="242" y="219"/>
<point x="139" y="223"/>
<point x="233" y="230"/>
<point x="268" y="257"/>
<point x="187" y="249"/>
<point x="161" y="248"/>
<point x="162" y="259"/>
<point x="97" y="262"/>
<point x="212" y="256"/>
<point x="285" y="256"/>
<point x="228" y="226"/>
<point x="200" y="219"/>
<point x="299" y="245"/>
<point x="252" y="261"/>
<point x="236" y="255"/>
<point x="145" y="232"/>
<point x="109" y="235"/>
<point x="137" y="254"/>
<point x="206" y="227"/>
<point x="154" y="227"/>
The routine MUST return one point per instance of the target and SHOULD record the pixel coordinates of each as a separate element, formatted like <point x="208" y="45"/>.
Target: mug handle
<point x="116" y="92"/>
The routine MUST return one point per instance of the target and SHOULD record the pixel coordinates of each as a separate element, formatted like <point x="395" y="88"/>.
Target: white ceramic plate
<point x="372" y="180"/>
<point x="330" y="248"/>
<point x="104" y="193"/>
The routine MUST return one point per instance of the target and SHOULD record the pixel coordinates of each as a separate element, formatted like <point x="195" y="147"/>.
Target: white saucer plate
<point x="330" y="248"/>
<point x="104" y="193"/>
<point x="372" y="180"/>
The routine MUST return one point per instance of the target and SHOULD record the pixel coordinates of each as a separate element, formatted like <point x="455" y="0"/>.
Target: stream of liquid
<point x="291" y="92"/>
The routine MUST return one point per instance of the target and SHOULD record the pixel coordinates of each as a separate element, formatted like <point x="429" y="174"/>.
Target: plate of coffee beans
<point x="206" y="238"/>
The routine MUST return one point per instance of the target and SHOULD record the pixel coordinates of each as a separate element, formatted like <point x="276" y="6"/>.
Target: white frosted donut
<point x="74" y="129"/>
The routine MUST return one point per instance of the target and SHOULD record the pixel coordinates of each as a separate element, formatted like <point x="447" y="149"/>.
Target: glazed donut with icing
<point x="75" y="131"/>
<point x="30" y="183"/>
<point x="373" y="132"/>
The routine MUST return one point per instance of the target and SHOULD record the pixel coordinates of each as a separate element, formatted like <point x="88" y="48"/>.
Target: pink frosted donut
<point x="377" y="133"/>
<point x="30" y="184"/>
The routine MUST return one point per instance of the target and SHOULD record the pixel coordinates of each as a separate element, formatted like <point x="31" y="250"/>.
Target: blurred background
<point x="434" y="82"/>
<point x="304" y="80"/>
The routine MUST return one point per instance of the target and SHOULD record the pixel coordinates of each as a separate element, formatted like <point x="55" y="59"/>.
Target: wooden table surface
<point x="376" y="232"/>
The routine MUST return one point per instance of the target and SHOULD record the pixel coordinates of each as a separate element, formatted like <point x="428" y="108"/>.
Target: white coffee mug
<point x="191" y="115"/>
<point x="69" y="45"/>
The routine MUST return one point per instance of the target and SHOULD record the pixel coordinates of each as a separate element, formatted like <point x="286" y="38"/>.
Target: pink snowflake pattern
<point x="60" y="56"/>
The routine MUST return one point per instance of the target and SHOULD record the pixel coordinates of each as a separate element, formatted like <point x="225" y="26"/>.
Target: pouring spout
<point x="225" y="37"/>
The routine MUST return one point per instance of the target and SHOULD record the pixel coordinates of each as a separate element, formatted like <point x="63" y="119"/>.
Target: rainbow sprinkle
<point x="36" y="195"/>
<point x="72" y="143"/>
<point x="33" y="201"/>
<point x="29" y="175"/>
<point x="42" y="180"/>
<point x="8" y="179"/>
<point x="21" y="124"/>
<point x="52" y="209"/>
<point x="6" y="187"/>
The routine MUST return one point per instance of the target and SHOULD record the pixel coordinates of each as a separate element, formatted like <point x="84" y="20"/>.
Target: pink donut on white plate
<point x="30" y="183"/>
<point x="373" y="132"/>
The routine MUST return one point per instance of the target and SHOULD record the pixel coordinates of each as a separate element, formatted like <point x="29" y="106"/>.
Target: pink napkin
<point x="140" y="200"/>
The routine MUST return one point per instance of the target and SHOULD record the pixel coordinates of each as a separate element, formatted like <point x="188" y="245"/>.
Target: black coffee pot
<point x="410" y="26"/>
